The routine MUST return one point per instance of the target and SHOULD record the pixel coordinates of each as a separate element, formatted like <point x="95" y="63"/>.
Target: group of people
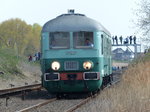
<point x="127" y="40"/>
<point x="35" y="57"/>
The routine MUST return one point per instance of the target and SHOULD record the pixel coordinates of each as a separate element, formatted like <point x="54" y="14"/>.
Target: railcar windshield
<point x="59" y="40"/>
<point x="83" y="39"/>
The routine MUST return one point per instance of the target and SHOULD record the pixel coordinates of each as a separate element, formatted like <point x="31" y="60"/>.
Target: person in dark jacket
<point x="134" y="39"/>
<point x="130" y="39"/>
<point x="121" y="39"/>
<point x="116" y="40"/>
<point x="30" y="58"/>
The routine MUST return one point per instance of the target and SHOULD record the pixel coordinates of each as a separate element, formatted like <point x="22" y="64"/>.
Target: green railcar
<point x="76" y="54"/>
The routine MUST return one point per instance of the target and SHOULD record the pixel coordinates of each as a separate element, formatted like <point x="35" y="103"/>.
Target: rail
<point x="37" y="105"/>
<point x="19" y="89"/>
<point x="75" y="107"/>
<point x="70" y="109"/>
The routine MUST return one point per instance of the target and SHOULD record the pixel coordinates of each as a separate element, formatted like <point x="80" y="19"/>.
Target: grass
<point x="141" y="59"/>
<point x="132" y="94"/>
<point x="10" y="63"/>
<point x="17" y="70"/>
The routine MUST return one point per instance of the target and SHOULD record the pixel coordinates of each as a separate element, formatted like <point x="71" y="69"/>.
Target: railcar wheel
<point x="94" y="92"/>
<point x="111" y="79"/>
<point x="59" y="95"/>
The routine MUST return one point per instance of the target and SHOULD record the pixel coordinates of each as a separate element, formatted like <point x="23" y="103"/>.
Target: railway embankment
<point x="16" y="70"/>
<point x="132" y="94"/>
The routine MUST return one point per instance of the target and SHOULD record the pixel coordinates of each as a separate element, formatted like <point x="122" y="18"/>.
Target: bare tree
<point x="143" y="21"/>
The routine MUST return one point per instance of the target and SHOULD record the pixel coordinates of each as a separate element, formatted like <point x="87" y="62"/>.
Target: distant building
<point x="117" y="54"/>
<point x="128" y="55"/>
<point x="120" y="54"/>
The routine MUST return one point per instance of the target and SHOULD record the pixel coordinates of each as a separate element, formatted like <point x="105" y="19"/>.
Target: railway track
<point x="37" y="105"/>
<point x="75" y="106"/>
<point x="71" y="109"/>
<point x="22" y="97"/>
<point x="12" y="91"/>
<point x="49" y="103"/>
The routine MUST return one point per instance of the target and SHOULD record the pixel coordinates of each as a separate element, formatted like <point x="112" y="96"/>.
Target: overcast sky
<point x="114" y="15"/>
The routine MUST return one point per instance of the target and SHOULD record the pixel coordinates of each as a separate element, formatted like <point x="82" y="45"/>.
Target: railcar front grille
<point x="71" y="65"/>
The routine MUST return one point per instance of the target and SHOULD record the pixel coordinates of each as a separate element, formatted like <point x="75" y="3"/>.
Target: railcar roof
<point x="72" y="23"/>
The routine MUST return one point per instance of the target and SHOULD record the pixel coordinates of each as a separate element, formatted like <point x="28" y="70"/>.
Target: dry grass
<point x="136" y="88"/>
<point x="132" y="94"/>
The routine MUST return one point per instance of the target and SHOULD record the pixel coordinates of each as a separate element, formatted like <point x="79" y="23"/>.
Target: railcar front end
<point x="73" y="54"/>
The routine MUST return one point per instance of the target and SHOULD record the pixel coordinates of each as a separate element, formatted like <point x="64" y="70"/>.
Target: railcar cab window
<point x="59" y="40"/>
<point x="83" y="39"/>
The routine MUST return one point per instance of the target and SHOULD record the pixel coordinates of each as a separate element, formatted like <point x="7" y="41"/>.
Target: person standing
<point x="121" y="39"/>
<point x="30" y="58"/>
<point x="116" y="40"/>
<point x="39" y="55"/>
<point x="134" y="39"/>
<point x="34" y="58"/>
<point x="130" y="39"/>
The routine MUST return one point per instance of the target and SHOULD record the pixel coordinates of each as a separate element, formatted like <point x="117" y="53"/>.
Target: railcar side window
<point x="83" y="39"/>
<point x="102" y="44"/>
<point x="59" y="40"/>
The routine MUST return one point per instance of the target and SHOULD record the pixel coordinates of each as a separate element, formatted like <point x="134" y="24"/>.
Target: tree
<point x="36" y="30"/>
<point x="143" y="21"/>
<point x="17" y="34"/>
<point x="34" y="43"/>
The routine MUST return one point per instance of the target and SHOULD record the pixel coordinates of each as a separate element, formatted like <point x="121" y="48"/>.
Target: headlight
<point x="87" y="65"/>
<point x="55" y="65"/>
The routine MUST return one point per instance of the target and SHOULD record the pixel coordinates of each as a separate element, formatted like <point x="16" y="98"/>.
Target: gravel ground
<point x="95" y="105"/>
<point x="57" y="106"/>
<point x="101" y="103"/>
<point x="16" y="103"/>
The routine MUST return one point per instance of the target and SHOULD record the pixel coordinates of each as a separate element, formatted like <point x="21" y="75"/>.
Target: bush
<point x="9" y="62"/>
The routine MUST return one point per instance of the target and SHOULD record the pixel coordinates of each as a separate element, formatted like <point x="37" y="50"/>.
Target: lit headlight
<point x="55" y="65"/>
<point x="87" y="65"/>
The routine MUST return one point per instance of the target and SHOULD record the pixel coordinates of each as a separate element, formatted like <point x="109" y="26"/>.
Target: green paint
<point x="72" y="86"/>
<point x="102" y="63"/>
<point x="96" y="62"/>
